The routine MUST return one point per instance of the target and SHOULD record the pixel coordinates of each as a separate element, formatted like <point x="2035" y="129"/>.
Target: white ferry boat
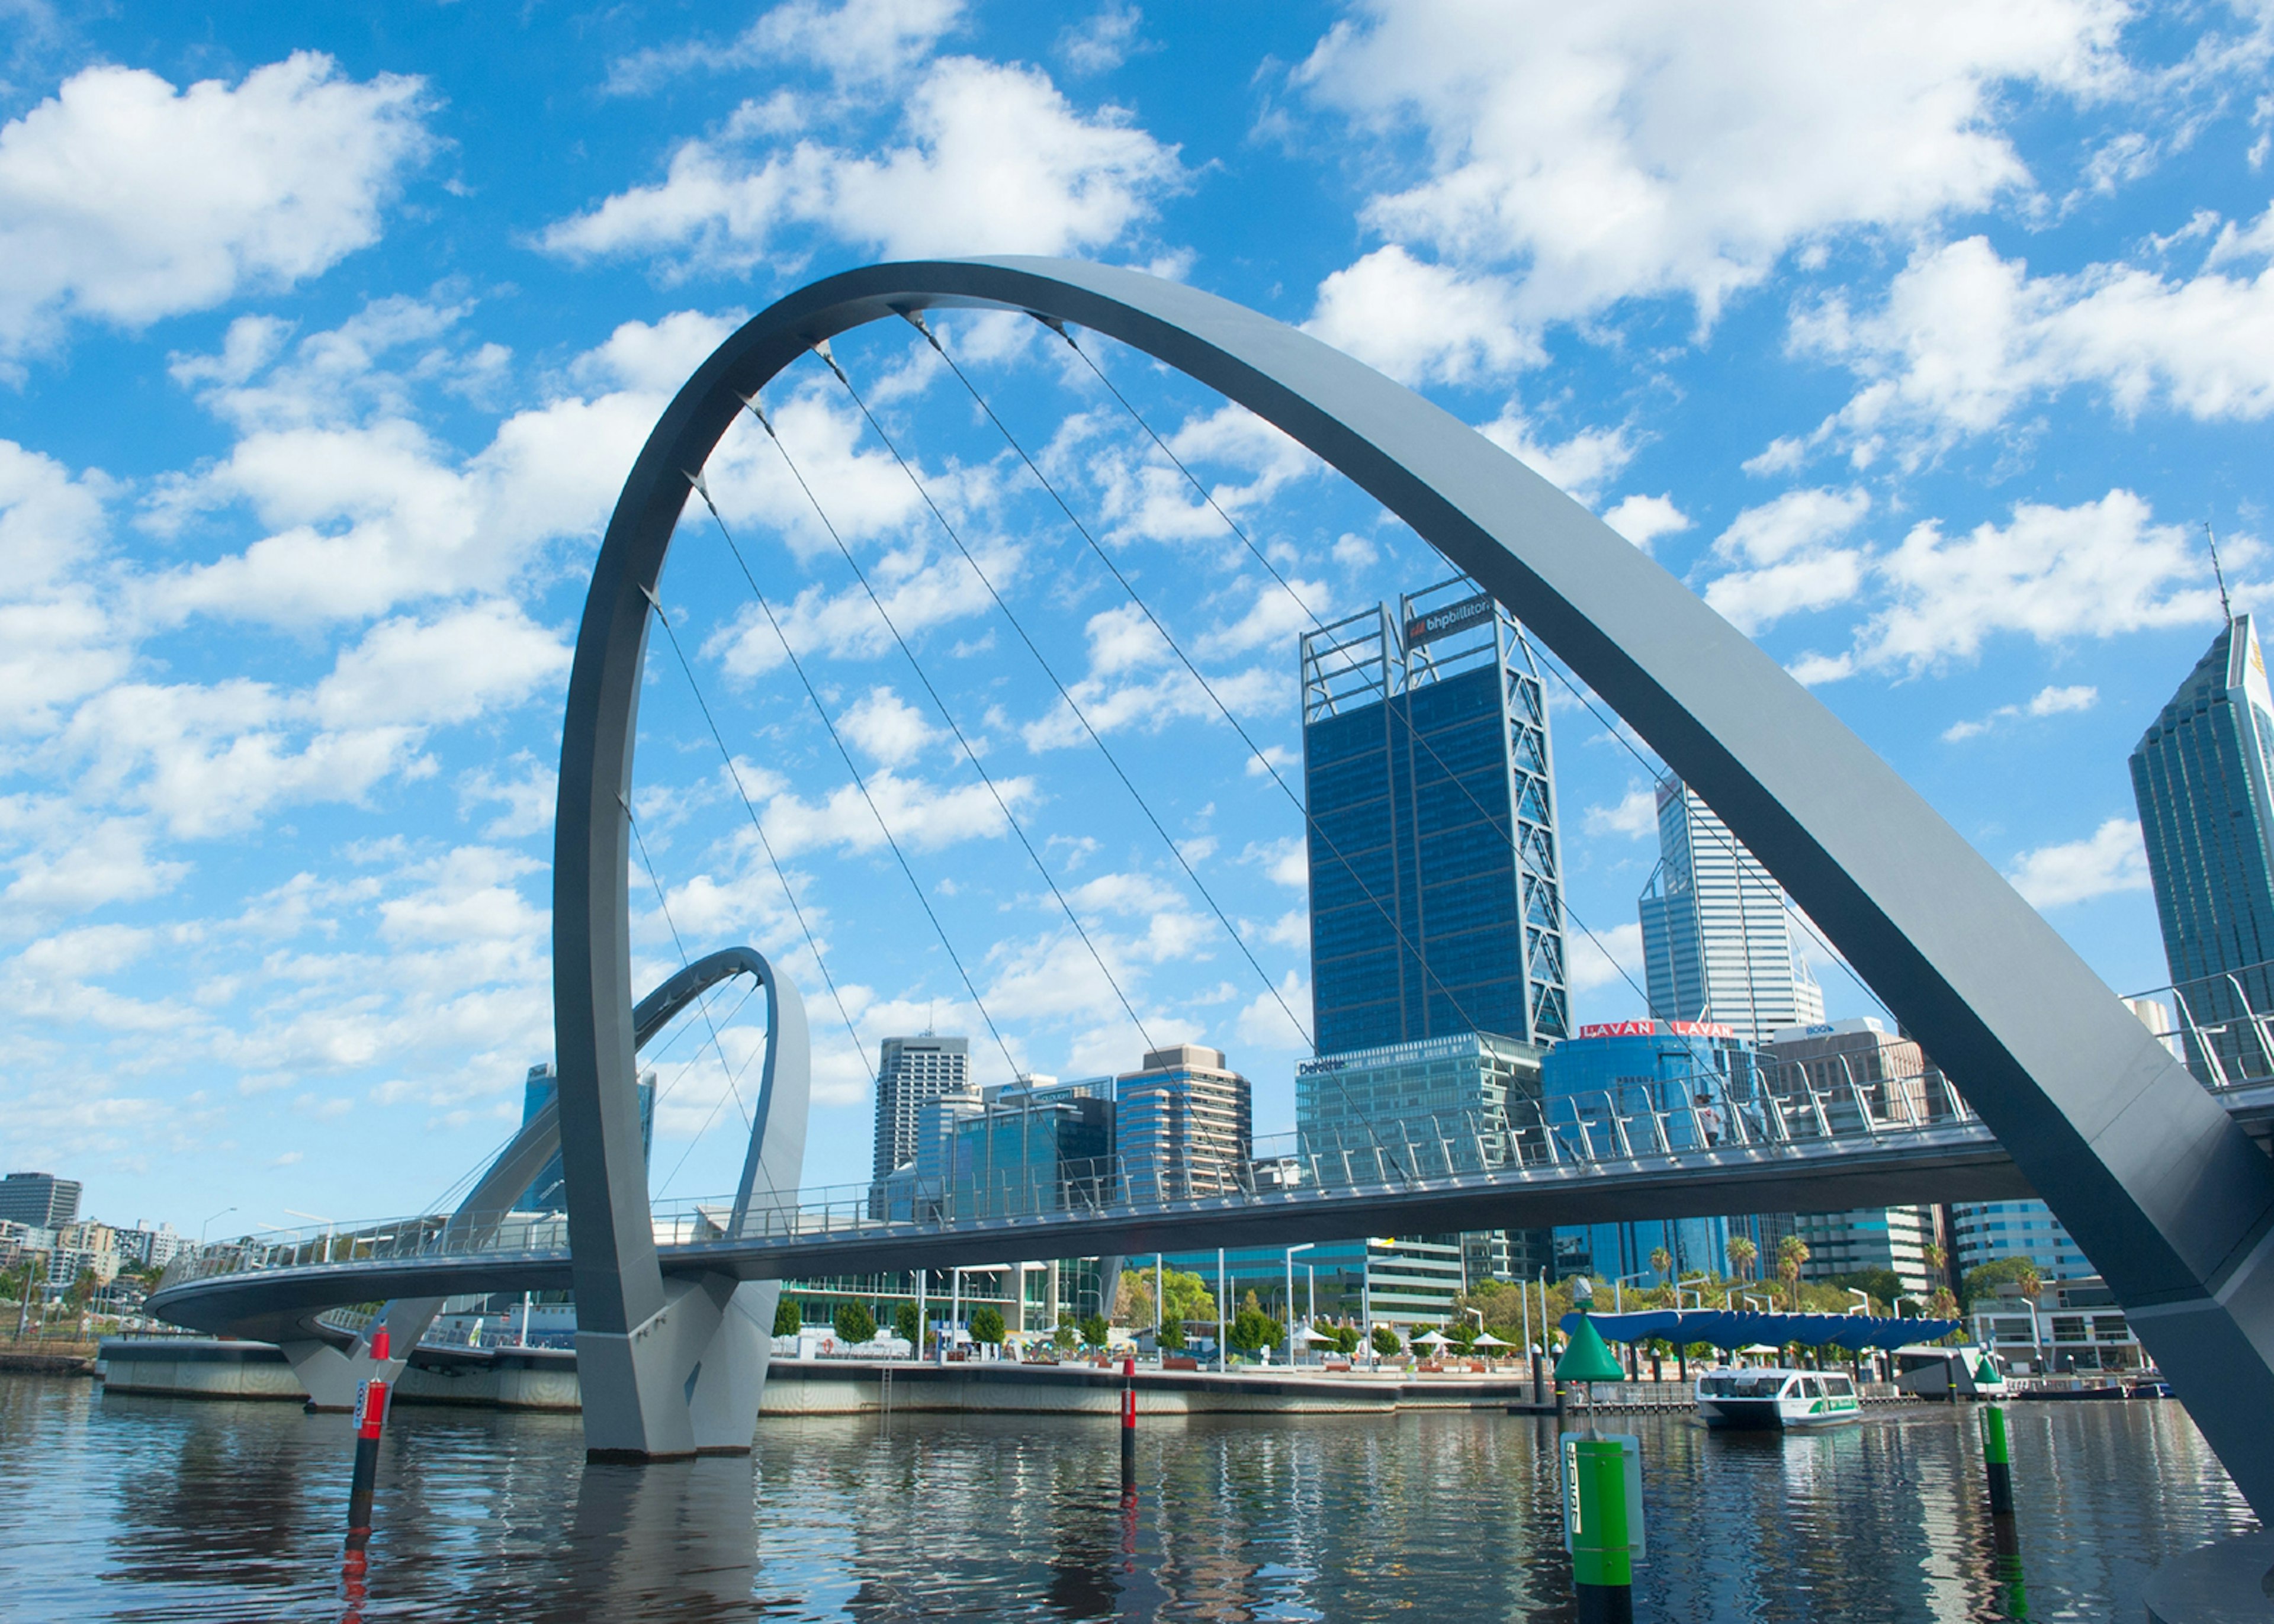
<point x="1776" y="1397"/>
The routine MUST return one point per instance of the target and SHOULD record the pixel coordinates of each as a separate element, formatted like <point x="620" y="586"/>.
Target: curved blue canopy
<point x="1722" y="1328"/>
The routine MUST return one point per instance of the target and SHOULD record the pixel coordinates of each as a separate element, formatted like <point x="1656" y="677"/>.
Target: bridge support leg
<point x="686" y="1382"/>
<point x="332" y="1374"/>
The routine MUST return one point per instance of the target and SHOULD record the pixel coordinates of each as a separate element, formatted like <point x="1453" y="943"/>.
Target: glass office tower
<point x="1435" y="889"/>
<point x="548" y="1191"/>
<point x="2203" y="777"/>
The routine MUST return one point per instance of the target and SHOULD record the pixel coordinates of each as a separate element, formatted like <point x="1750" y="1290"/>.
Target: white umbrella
<point x="1307" y="1334"/>
<point x="1434" y="1339"/>
<point x="1485" y="1338"/>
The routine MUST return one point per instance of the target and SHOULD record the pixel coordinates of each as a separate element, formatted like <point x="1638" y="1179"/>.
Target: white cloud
<point x="892" y="732"/>
<point x="861" y="43"/>
<point x="1635" y="816"/>
<point x="124" y="200"/>
<point x="1642" y="520"/>
<point x="995" y="160"/>
<point x="1788" y="557"/>
<point x="2056" y="574"/>
<point x="2111" y="860"/>
<point x="1103" y="42"/>
<point x="1604" y="152"/>
<point x="89" y="867"/>
<point x="1421" y="322"/>
<point x="2048" y="702"/>
<point x="528" y="799"/>
<point x="1275" y="1022"/>
<point x="1604" y="957"/>
<point x="1579" y="466"/>
<point x="484" y="657"/>
<point x="1965" y="338"/>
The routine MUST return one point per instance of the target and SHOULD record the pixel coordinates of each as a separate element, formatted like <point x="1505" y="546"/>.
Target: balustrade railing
<point x="1638" y="1124"/>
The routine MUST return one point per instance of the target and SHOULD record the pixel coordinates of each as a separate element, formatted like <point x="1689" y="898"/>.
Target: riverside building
<point x="910" y="1071"/>
<point x="1436" y="882"/>
<point x="1184" y="1124"/>
<point x="1633" y="1065"/>
<point x="39" y="1200"/>
<point x="2202" y="776"/>
<point x="1717" y="939"/>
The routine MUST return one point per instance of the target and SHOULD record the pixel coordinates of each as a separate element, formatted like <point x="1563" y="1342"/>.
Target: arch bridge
<point x="2153" y="1176"/>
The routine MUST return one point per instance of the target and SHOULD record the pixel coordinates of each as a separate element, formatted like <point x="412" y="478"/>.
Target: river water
<point x="136" y="1508"/>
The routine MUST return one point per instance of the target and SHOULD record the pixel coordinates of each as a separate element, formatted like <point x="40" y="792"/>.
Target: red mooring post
<point x="371" y="1416"/>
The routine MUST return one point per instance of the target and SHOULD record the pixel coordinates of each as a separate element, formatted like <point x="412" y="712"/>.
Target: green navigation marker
<point x="1586" y="1357"/>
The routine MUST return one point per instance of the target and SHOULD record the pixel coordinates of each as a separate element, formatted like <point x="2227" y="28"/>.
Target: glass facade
<point x="1651" y="1065"/>
<point x="2203" y="777"/>
<point x="1717" y="942"/>
<point x="1984" y="1231"/>
<point x="548" y="1191"/>
<point x="1435" y="905"/>
<point x="1183" y="1126"/>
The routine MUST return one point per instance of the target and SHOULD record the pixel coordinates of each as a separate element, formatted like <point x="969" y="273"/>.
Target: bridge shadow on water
<point x="131" y="1508"/>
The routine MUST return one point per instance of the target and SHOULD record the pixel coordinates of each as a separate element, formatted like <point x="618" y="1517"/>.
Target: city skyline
<point x="277" y="847"/>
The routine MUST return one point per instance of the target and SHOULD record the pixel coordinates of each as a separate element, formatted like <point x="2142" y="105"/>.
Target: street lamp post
<point x="1618" y="1289"/>
<point x="1291" y="1251"/>
<point x="208" y="1225"/>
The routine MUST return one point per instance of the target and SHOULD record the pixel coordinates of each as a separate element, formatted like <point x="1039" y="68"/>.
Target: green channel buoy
<point x="1586" y="1357"/>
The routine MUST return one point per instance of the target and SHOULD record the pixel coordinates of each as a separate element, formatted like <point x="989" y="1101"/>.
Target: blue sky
<point x="1921" y="341"/>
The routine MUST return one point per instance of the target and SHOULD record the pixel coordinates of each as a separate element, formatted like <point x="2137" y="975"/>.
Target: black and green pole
<point x="1996" y="1464"/>
<point x="1598" y="1517"/>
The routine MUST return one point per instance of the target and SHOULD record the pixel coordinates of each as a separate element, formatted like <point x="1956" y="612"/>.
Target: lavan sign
<point x="1657" y="1028"/>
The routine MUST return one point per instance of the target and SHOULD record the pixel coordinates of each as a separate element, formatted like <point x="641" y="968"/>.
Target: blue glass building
<point x="1435" y="898"/>
<point x="2203" y="777"/>
<point x="1652" y="1065"/>
<point x="548" y="1191"/>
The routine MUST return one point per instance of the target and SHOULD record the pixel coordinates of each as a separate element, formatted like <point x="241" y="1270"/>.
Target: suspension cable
<point x="1080" y="715"/>
<point x="663" y="903"/>
<point x="1412" y="733"/>
<point x="859" y="782"/>
<point x="734" y="774"/>
<point x="946" y="716"/>
<point x="1145" y="609"/>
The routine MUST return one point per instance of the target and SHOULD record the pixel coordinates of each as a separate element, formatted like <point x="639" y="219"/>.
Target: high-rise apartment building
<point x="1183" y="1124"/>
<point x="1717" y="940"/>
<point x="548" y="1191"/>
<point x="909" y="1071"/>
<point x="40" y="1199"/>
<point x="1436" y="899"/>
<point x="2203" y="777"/>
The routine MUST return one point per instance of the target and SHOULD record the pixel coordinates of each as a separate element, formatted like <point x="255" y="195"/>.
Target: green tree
<point x="1792" y="1251"/>
<point x="1743" y="1255"/>
<point x="788" y="1317"/>
<point x="854" y="1323"/>
<point x="1984" y="1282"/>
<point x="1172" y="1336"/>
<point x="1066" y="1339"/>
<point x="1345" y="1338"/>
<point x="1251" y="1329"/>
<point x="907" y="1326"/>
<point x="1883" y="1286"/>
<point x="1662" y="1261"/>
<point x="1461" y="1334"/>
<point x="987" y="1326"/>
<point x="1385" y="1341"/>
<point x="1095" y="1332"/>
<point x="1132" y="1299"/>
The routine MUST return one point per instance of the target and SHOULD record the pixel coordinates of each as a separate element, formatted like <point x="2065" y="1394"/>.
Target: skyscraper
<point x="1717" y="942"/>
<point x="909" y="1071"/>
<point x="2203" y="777"/>
<point x="548" y="1191"/>
<point x="1184" y="1124"/>
<point x="1435" y="891"/>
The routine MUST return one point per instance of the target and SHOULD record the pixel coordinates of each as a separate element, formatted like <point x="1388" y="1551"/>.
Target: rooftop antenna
<point x="931" y="1005"/>
<point x="2217" y="574"/>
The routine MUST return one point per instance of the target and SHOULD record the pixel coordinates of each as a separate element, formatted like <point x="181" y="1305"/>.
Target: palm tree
<point x="1662" y="1262"/>
<point x="1742" y="1253"/>
<point x="1792" y="1251"/>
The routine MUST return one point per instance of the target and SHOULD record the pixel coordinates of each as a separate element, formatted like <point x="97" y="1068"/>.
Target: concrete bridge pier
<point x="332" y="1373"/>
<point x="689" y="1381"/>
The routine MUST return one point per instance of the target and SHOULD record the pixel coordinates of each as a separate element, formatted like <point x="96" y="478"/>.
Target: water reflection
<point x="150" y="1509"/>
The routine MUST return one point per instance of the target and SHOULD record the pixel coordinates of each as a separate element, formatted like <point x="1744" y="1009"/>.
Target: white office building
<point x="1719" y="944"/>
<point x="911" y="1071"/>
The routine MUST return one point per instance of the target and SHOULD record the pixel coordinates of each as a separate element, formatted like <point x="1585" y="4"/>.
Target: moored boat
<point x="1776" y="1397"/>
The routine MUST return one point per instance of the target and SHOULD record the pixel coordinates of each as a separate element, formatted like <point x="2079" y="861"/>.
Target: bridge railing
<point x="1643" y="1123"/>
